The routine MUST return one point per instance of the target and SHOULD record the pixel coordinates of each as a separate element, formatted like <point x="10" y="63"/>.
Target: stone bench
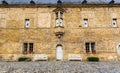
<point x="40" y="57"/>
<point x="74" y="57"/>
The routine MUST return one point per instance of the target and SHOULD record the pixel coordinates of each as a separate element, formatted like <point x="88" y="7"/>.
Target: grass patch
<point x="93" y="59"/>
<point x="25" y="59"/>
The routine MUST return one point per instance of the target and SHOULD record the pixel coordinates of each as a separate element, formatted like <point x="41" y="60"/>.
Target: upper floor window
<point x="59" y="18"/>
<point x="85" y="22"/>
<point x="27" y="23"/>
<point x="61" y="22"/>
<point x="114" y="22"/>
<point x="61" y="15"/>
<point x="57" y="15"/>
<point x="57" y="22"/>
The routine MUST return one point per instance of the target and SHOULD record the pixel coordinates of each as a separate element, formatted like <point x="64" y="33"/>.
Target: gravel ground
<point x="59" y="67"/>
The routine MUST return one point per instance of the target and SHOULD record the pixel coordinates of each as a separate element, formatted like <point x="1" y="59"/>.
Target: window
<point x="87" y="47"/>
<point x="93" y="47"/>
<point x="61" y="22"/>
<point x="85" y="22"/>
<point x="61" y="15"/>
<point x="90" y="46"/>
<point x="114" y="22"/>
<point x="30" y="47"/>
<point x="59" y="19"/>
<point x="57" y="15"/>
<point x="27" y="48"/>
<point x="57" y="22"/>
<point x="27" y="23"/>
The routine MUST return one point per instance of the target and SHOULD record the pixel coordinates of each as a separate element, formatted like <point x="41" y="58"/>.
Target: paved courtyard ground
<point x="59" y="67"/>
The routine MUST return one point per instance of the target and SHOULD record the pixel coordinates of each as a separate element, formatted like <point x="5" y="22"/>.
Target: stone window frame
<point x="114" y="22"/>
<point x="27" y="23"/>
<point x="89" y="48"/>
<point x="86" y="22"/>
<point x="59" y="19"/>
<point x="28" y="48"/>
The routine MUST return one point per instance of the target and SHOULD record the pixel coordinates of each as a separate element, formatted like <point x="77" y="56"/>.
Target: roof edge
<point x="54" y="5"/>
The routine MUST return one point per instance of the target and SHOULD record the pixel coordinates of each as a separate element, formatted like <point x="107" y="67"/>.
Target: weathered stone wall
<point x="42" y="27"/>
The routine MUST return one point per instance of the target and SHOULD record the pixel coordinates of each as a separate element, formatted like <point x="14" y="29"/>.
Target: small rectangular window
<point x="61" y="15"/>
<point x="85" y="22"/>
<point x="30" y="48"/>
<point x="59" y="18"/>
<point x="87" y="47"/>
<point x="57" y="15"/>
<point x="93" y="47"/>
<point x="57" y="22"/>
<point x="27" y="23"/>
<point x="25" y="47"/>
<point x="90" y="47"/>
<point x="61" y="21"/>
<point x="114" y="22"/>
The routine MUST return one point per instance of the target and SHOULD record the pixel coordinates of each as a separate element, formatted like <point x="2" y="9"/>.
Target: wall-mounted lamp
<point x="59" y="35"/>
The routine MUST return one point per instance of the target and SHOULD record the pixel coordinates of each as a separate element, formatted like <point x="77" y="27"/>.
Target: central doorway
<point x="59" y="53"/>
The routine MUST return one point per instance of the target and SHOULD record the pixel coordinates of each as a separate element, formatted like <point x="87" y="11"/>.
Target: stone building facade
<point x="59" y="30"/>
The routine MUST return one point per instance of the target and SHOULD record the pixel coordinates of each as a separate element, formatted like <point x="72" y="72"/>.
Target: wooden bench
<point x="40" y="57"/>
<point x="74" y="57"/>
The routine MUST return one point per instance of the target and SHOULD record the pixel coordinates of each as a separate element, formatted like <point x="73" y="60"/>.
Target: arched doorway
<point x="59" y="52"/>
